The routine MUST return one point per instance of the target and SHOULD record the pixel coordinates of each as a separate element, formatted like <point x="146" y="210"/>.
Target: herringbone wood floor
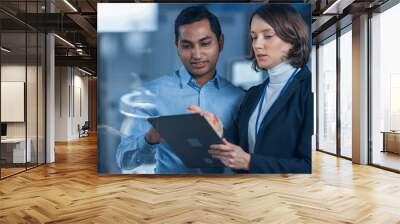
<point x="70" y="191"/>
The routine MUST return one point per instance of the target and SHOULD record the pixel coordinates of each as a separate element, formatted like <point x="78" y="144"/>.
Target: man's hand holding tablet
<point x="214" y="121"/>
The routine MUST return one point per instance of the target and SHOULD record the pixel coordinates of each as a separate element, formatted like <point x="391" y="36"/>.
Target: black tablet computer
<point x="190" y="136"/>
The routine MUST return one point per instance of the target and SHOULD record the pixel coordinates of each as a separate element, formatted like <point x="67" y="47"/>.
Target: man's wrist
<point x="148" y="141"/>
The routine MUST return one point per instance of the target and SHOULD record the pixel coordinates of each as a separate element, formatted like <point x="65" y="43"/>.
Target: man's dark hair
<point x="290" y="27"/>
<point x="194" y="14"/>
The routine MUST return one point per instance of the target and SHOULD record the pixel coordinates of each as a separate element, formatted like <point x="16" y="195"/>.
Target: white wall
<point x="61" y="103"/>
<point x="33" y="126"/>
<point x="71" y="94"/>
<point x="17" y="73"/>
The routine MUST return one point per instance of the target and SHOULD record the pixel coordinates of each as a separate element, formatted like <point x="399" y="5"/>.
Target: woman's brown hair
<point x="290" y="27"/>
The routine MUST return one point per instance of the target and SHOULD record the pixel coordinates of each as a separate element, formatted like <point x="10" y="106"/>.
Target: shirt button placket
<point x="201" y="97"/>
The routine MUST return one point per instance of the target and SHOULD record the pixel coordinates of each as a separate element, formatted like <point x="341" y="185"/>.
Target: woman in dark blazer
<point x="275" y="121"/>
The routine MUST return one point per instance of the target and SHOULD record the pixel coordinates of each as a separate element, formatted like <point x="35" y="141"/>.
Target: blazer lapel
<point x="247" y="111"/>
<point x="280" y="102"/>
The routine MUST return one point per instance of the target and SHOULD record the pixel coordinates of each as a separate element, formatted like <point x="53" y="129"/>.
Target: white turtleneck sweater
<point x="278" y="76"/>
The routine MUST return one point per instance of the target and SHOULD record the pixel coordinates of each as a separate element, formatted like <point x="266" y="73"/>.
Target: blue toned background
<point x="143" y="49"/>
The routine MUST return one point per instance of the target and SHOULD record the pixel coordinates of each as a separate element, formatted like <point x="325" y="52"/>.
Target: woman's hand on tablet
<point x="231" y="155"/>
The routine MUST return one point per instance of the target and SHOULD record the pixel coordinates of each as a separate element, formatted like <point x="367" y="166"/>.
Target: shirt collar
<point x="186" y="78"/>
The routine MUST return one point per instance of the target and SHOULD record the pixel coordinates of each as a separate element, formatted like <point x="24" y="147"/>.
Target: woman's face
<point x="269" y="50"/>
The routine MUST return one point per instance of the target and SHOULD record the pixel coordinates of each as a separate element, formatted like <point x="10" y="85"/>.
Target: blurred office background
<point x="137" y="47"/>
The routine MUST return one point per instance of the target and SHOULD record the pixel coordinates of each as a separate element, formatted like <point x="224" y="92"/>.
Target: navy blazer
<point x="283" y="142"/>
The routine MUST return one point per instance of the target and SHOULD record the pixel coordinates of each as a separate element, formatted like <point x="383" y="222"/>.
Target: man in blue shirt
<point x="199" y="41"/>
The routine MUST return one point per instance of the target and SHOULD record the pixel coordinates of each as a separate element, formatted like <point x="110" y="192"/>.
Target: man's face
<point x="198" y="48"/>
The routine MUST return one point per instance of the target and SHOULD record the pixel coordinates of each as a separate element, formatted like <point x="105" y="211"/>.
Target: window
<point x="385" y="88"/>
<point x="346" y="93"/>
<point x="22" y="78"/>
<point x="327" y="96"/>
<point x="313" y="88"/>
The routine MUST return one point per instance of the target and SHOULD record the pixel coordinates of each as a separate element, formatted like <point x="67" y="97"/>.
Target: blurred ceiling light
<point x="5" y="50"/>
<point x="130" y="17"/>
<point x="79" y="44"/>
<point x="70" y="5"/>
<point x="84" y="71"/>
<point x="337" y="7"/>
<point x="65" y="41"/>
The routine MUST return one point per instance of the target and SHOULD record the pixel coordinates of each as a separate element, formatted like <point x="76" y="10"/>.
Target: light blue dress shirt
<point x="173" y="94"/>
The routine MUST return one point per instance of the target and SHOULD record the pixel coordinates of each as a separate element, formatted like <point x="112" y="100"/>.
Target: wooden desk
<point x="13" y="150"/>
<point x="391" y="141"/>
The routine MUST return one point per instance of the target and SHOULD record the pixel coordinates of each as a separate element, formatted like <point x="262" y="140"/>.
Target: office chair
<point x="84" y="130"/>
